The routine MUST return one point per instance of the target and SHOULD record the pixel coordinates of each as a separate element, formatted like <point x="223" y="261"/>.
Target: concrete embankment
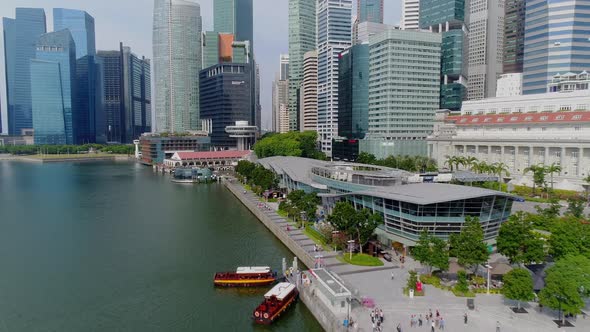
<point x="82" y="158"/>
<point x="323" y="314"/>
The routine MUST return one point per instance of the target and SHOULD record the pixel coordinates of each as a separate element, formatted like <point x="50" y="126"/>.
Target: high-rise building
<point x="177" y="62"/>
<point x="226" y="97"/>
<point x="309" y="93"/>
<point x="448" y="18"/>
<point x="284" y="70"/>
<point x="127" y="97"/>
<point x="235" y="17"/>
<point x="20" y="37"/>
<point x="410" y="15"/>
<point x="404" y="86"/>
<point x="362" y="31"/>
<point x="514" y="17"/>
<point x="333" y="37"/>
<point x="53" y="74"/>
<point x="486" y="41"/>
<point x="280" y="97"/>
<point x="302" y="38"/>
<point x="81" y="26"/>
<point x="369" y="11"/>
<point x="556" y="41"/>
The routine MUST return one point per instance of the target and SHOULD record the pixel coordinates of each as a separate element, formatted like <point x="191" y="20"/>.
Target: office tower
<point x="280" y="100"/>
<point x="53" y="74"/>
<point x="302" y="38"/>
<point x="284" y="70"/>
<point x="81" y="26"/>
<point x="127" y="95"/>
<point x="486" y="40"/>
<point x="401" y="115"/>
<point x="334" y="36"/>
<point x="556" y="41"/>
<point x="309" y="93"/>
<point x="20" y="37"/>
<point x="363" y="31"/>
<point x="369" y="11"/>
<point x="448" y="18"/>
<point x="235" y="17"/>
<point x="176" y="69"/>
<point x="226" y="97"/>
<point x="514" y="17"/>
<point x="258" y="107"/>
<point x="410" y="15"/>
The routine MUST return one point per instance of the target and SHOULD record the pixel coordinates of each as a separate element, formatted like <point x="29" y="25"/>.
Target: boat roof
<point x="280" y="290"/>
<point x="253" y="269"/>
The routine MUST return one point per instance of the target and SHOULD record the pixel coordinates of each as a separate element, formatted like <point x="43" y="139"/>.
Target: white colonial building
<point x="520" y="131"/>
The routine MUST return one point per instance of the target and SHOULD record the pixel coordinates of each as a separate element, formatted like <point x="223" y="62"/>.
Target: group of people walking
<point x="377" y="319"/>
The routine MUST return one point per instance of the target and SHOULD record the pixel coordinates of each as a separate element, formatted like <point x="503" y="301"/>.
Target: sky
<point x="130" y="22"/>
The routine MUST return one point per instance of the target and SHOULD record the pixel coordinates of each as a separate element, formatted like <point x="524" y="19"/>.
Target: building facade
<point x="334" y="36"/>
<point x="309" y="93"/>
<point x="20" y="37"/>
<point x="157" y="147"/>
<point x="302" y="39"/>
<point x="225" y="99"/>
<point x="404" y="87"/>
<point x="353" y="89"/>
<point x="569" y="82"/>
<point x="369" y="11"/>
<point x="410" y="15"/>
<point x="235" y="17"/>
<point x="280" y="110"/>
<point x="53" y="75"/>
<point x="176" y="69"/>
<point x="556" y="41"/>
<point x="486" y="40"/>
<point x="363" y="31"/>
<point x="509" y="85"/>
<point x="514" y="18"/>
<point x="521" y="131"/>
<point x="81" y="26"/>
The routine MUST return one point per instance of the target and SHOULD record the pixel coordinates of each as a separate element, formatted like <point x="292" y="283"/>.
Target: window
<point x="487" y="119"/>
<point x="500" y="119"/>
<point x="514" y="118"/>
<point x="528" y="118"/>
<point x="544" y="118"/>
<point x="475" y="120"/>
<point x="463" y="120"/>
<point x="577" y="128"/>
<point x="560" y="117"/>
<point x="577" y="117"/>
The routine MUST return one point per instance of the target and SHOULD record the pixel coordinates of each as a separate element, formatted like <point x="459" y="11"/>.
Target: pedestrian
<point x="442" y="324"/>
<point x="498" y="326"/>
<point x="373" y="316"/>
<point x="392" y="276"/>
<point x="430" y="313"/>
<point x="437" y="313"/>
<point x="465" y="318"/>
<point x="420" y="320"/>
<point x="374" y="326"/>
<point x="381" y="315"/>
<point x="399" y="327"/>
<point x="411" y="320"/>
<point x="432" y="327"/>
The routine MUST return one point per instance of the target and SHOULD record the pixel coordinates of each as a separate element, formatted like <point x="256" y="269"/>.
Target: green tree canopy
<point x="575" y="207"/>
<point x="468" y="246"/>
<point x="297" y="144"/>
<point x="357" y="224"/>
<point x="518" y="242"/>
<point x="431" y="251"/>
<point x="518" y="285"/>
<point x="569" y="236"/>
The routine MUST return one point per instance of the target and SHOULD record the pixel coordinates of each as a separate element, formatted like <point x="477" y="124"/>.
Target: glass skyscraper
<point x="53" y="70"/>
<point x="514" y="17"/>
<point x="177" y="62"/>
<point x="235" y="17"/>
<point x="302" y="39"/>
<point x="555" y="41"/>
<point x="369" y="11"/>
<point x="20" y="37"/>
<point x="353" y="92"/>
<point x="81" y="26"/>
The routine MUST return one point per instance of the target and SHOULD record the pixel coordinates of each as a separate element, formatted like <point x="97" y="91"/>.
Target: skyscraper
<point x="309" y="93"/>
<point x="280" y="97"/>
<point x="369" y="11"/>
<point x="514" y="18"/>
<point x="177" y="62"/>
<point x="235" y="17"/>
<point x="20" y="37"/>
<point x="410" y="15"/>
<point x="81" y="26"/>
<point x="486" y="40"/>
<point x="334" y="36"/>
<point x="400" y="116"/>
<point x="556" y="41"/>
<point x="448" y="18"/>
<point x="53" y="74"/>
<point x="302" y="38"/>
<point x="284" y="70"/>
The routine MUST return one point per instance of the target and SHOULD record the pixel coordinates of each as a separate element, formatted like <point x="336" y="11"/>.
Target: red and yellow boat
<point x="251" y="276"/>
<point x="276" y="301"/>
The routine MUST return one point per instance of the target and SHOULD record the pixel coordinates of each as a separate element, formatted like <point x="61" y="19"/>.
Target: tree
<point x="576" y="206"/>
<point x="431" y="252"/>
<point x="298" y="144"/>
<point x="517" y="241"/>
<point x="538" y="175"/>
<point x="569" y="236"/>
<point x="468" y="246"/>
<point x="553" y="168"/>
<point x="412" y="280"/>
<point x="499" y="169"/>
<point x="470" y="161"/>
<point x="357" y="224"/>
<point x="587" y="180"/>
<point x="462" y="285"/>
<point x="550" y="212"/>
<point x="518" y="285"/>
<point x="366" y="158"/>
<point x="365" y="224"/>
<point x="342" y="216"/>
<point x="566" y="284"/>
<point x="451" y="161"/>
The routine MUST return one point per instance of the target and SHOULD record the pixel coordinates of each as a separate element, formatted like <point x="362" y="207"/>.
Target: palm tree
<point x="587" y="180"/>
<point x="499" y="169"/>
<point x="538" y="175"/>
<point x="481" y="167"/>
<point x="553" y="168"/>
<point x="470" y="161"/>
<point x="451" y="160"/>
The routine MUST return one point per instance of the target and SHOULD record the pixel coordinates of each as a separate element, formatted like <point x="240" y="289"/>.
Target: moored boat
<point x="276" y="301"/>
<point x="251" y="276"/>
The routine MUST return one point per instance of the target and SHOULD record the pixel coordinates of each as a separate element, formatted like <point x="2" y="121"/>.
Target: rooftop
<point x="210" y="155"/>
<point x="520" y="118"/>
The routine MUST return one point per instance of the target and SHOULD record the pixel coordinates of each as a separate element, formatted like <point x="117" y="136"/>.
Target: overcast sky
<point x="130" y="21"/>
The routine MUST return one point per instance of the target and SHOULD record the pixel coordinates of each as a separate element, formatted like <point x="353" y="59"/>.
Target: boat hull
<point x="243" y="283"/>
<point x="230" y="279"/>
<point x="267" y="318"/>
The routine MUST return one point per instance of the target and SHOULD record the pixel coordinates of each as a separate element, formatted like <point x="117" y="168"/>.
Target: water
<point x="115" y="247"/>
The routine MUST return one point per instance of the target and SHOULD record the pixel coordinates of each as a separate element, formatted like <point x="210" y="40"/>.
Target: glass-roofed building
<point x="407" y="208"/>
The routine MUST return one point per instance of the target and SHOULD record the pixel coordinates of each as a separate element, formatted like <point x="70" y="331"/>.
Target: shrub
<point x="430" y="280"/>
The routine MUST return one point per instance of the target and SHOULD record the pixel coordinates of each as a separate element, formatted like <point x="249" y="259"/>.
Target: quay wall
<point x="308" y="294"/>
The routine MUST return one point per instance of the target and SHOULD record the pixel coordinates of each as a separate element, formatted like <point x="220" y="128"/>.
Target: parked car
<point x="387" y="256"/>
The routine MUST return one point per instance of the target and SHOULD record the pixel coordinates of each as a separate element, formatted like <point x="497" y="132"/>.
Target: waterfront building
<point x="369" y="11"/>
<point x="404" y="86"/>
<point x="514" y="19"/>
<point x="521" y="131"/>
<point x="244" y="134"/>
<point x="333" y="37"/>
<point x="226" y="97"/>
<point x="556" y="41"/>
<point x="20" y="37"/>
<point x="447" y="17"/>
<point x="486" y="40"/>
<point x="127" y="97"/>
<point x="26" y="139"/>
<point x="410" y="15"/>
<point x="308" y="92"/>
<point x="509" y="85"/>
<point x="219" y="160"/>
<point x="53" y="75"/>
<point x="363" y="31"/>
<point x="302" y="39"/>
<point x="157" y="147"/>
<point x="407" y="208"/>
<point x="176" y="69"/>
<point x="569" y="82"/>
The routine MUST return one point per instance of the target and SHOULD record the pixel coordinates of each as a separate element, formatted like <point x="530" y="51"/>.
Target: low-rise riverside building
<point x="407" y="208"/>
<point x="219" y="160"/>
<point x="157" y="147"/>
<point x="521" y="131"/>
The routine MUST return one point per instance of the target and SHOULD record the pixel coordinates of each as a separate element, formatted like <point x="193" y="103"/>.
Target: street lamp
<point x="489" y="267"/>
<point x="350" y="245"/>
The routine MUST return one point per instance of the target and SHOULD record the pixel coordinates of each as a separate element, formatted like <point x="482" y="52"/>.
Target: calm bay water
<point x="115" y="247"/>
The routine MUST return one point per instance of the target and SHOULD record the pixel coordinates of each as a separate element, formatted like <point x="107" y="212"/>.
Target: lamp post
<point x="349" y="301"/>
<point x="350" y="244"/>
<point x="488" y="267"/>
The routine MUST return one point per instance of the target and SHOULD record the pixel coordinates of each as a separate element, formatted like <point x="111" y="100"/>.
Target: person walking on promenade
<point x="441" y="324"/>
<point x="420" y="320"/>
<point x="465" y="318"/>
<point x="381" y="315"/>
<point x="373" y="316"/>
<point x="392" y="275"/>
<point x="430" y="313"/>
<point x="432" y="326"/>
<point x="498" y="326"/>
<point x="399" y="327"/>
